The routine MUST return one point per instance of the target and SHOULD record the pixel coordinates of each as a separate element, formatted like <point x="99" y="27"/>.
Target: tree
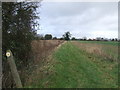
<point x="18" y="22"/>
<point x="67" y="36"/>
<point x="113" y="39"/>
<point x="61" y="38"/>
<point x="18" y="31"/>
<point x="116" y="39"/>
<point x="73" y="38"/>
<point x="54" y="38"/>
<point x="84" y="38"/>
<point x="48" y="36"/>
<point x="89" y="39"/>
<point x="39" y="37"/>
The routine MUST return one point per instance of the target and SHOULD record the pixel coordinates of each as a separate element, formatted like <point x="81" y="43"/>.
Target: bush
<point x="18" y="32"/>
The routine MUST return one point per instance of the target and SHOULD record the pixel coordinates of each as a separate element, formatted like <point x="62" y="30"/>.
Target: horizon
<point x="77" y="37"/>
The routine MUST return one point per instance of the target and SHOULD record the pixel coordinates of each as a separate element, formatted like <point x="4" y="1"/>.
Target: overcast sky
<point x="81" y="19"/>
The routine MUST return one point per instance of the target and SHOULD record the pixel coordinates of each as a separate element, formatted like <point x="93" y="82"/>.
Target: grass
<point x="106" y="49"/>
<point x="116" y="43"/>
<point x="77" y="70"/>
<point x="71" y="67"/>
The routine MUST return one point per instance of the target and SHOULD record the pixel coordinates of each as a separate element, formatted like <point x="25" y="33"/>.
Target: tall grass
<point x="107" y="51"/>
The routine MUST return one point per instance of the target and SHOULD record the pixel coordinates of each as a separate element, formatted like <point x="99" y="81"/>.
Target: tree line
<point x="67" y="36"/>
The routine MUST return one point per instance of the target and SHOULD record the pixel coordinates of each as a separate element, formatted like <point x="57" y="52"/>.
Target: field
<point x="75" y="64"/>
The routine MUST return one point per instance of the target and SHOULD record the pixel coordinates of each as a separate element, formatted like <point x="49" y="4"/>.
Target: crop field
<point x="75" y="64"/>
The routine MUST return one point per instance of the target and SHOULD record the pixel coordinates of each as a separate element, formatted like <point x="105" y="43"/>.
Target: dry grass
<point x="107" y="51"/>
<point x="42" y="48"/>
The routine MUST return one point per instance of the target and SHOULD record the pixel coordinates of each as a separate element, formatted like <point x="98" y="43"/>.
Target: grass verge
<point x="72" y="67"/>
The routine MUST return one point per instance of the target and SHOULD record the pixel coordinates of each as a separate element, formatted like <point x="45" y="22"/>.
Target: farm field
<point x="102" y="42"/>
<point x="76" y="64"/>
<point x="60" y="44"/>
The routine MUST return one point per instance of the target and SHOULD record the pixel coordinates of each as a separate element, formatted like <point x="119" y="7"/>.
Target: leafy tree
<point x="73" y="38"/>
<point x="67" y="36"/>
<point x="61" y="38"/>
<point x="18" y="22"/>
<point x="18" y="31"/>
<point x="48" y="36"/>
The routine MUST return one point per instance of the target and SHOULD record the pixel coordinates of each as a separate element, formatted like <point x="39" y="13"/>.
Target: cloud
<point x="90" y="19"/>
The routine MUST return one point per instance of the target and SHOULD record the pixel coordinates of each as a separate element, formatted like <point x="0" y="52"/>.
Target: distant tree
<point x="98" y="38"/>
<point x="84" y="38"/>
<point x="54" y="38"/>
<point x="39" y="37"/>
<point x="61" y="38"/>
<point x="110" y="39"/>
<point x="81" y="39"/>
<point x="73" y="38"/>
<point x="113" y="39"/>
<point x="105" y="39"/>
<point x="67" y="36"/>
<point x="48" y="36"/>
<point x="116" y="39"/>
<point x="89" y="39"/>
<point x="102" y="39"/>
<point x="94" y="39"/>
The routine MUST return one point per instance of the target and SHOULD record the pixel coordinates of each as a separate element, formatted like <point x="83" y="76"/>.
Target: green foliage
<point x="48" y="36"/>
<point x="61" y="38"/>
<point x="73" y="38"/>
<point x="18" y="22"/>
<point x="67" y="36"/>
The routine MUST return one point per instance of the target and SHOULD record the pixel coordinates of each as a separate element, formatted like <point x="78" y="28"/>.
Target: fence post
<point x="13" y="68"/>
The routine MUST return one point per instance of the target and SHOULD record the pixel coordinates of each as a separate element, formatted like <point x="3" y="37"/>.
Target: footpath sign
<point x="13" y="68"/>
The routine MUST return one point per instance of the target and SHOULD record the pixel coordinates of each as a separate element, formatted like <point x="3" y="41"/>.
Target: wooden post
<point x="13" y="69"/>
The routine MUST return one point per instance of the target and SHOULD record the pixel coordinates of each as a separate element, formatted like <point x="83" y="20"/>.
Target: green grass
<point x="116" y="43"/>
<point x="77" y="70"/>
<point x="73" y="68"/>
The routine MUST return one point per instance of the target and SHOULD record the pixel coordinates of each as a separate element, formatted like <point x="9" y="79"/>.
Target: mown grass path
<point x="72" y="68"/>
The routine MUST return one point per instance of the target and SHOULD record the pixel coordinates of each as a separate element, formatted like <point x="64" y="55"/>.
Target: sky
<point x="81" y="19"/>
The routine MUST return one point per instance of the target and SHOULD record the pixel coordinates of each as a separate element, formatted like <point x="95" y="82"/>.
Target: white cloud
<point x="81" y="19"/>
